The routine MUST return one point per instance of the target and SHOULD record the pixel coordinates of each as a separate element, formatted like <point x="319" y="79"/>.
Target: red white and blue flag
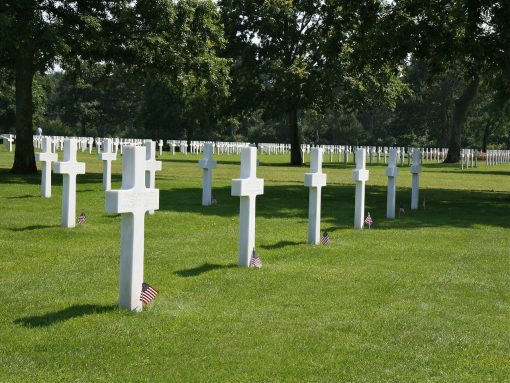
<point x="148" y="293"/>
<point x="82" y="218"/>
<point x="368" y="220"/>
<point x="255" y="260"/>
<point x="325" y="238"/>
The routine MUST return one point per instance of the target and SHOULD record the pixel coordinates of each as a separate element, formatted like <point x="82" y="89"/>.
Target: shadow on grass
<point x="23" y="196"/>
<point x="282" y="244"/>
<point x="33" y="227"/>
<point x="75" y="311"/>
<point x="206" y="267"/>
<point x="444" y="207"/>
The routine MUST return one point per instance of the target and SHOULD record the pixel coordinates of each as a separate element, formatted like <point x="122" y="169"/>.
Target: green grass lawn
<point x="422" y="298"/>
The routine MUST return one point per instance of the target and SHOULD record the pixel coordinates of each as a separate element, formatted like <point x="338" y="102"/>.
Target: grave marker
<point x="315" y="180"/>
<point x="132" y="201"/>
<point x="151" y="166"/>
<point x="360" y="176"/>
<point x="391" y="173"/>
<point x="70" y="168"/>
<point x="46" y="157"/>
<point x="248" y="187"/>
<point x="207" y="164"/>
<point x="415" y="170"/>
<point x="107" y="156"/>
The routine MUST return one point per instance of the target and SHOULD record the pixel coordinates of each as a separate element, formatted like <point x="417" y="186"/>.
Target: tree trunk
<point x="486" y="134"/>
<point x="461" y="107"/>
<point x="24" y="159"/>
<point x="295" y="138"/>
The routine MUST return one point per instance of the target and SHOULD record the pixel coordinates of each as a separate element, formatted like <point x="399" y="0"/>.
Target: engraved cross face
<point x="248" y="185"/>
<point x="46" y="155"/>
<point x="69" y="165"/>
<point x="133" y="197"/>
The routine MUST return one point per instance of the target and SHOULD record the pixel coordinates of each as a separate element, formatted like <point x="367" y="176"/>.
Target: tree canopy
<point x="407" y="72"/>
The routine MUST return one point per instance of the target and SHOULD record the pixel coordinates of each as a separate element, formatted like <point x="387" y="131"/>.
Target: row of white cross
<point x="138" y="196"/>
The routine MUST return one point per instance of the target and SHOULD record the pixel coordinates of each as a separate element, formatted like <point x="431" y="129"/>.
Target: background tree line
<point x="408" y="72"/>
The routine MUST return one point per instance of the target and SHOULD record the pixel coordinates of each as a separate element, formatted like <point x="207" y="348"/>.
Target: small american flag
<point x="82" y="218"/>
<point x="148" y="293"/>
<point x="325" y="238"/>
<point x="255" y="260"/>
<point x="401" y="211"/>
<point x="368" y="220"/>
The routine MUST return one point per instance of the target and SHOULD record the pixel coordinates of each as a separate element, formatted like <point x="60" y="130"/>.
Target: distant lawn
<point x="422" y="298"/>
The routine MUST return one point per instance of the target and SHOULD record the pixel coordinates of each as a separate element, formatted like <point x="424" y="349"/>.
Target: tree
<point x="155" y="37"/>
<point x="307" y="54"/>
<point x="471" y="37"/>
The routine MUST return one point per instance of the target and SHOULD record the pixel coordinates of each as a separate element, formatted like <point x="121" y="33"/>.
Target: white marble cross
<point x="207" y="164"/>
<point x="360" y="176"/>
<point x="132" y="201"/>
<point x="248" y="187"/>
<point x="160" y="146"/>
<point x="151" y="166"/>
<point x="107" y="156"/>
<point x="315" y="180"/>
<point x="70" y="168"/>
<point x="8" y="140"/>
<point x="46" y="157"/>
<point x="415" y="170"/>
<point x="391" y="173"/>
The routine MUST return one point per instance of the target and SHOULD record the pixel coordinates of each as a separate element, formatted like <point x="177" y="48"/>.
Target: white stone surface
<point x="415" y="170"/>
<point x="207" y="164"/>
<point x="160" y="146"/>
<point x="46" y="157"/>
<point x="151" y="166"/>
<point x="315" y="180"/>
<point x="391" y="173"/>
<point x="107" y="156"/>
<point x="360" y="176"/>
<point x="248" y="187"/>
<point x="8" y="141"/>
<point x="132" y="201"/>
<point x="69" y="168"/>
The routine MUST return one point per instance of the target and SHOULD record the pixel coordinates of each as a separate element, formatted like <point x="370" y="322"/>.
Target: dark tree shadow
<point x="33" y="227"/>
<point x="75" y="311"/>
<point x="282" y="244"/>
<point x="23" y="196"/>
<point x="444" y="207"/>
<point x="206" y="267"/>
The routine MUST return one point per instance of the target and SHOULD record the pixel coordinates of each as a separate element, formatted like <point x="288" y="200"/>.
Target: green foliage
<point x="293" y="56"/>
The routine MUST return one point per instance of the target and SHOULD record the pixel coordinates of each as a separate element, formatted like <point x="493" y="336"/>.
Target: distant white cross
<point x="391" y="173"/>
<point x="8" y="140"/>
<point x="315" y="180"/>
<point x="415" y="170"/>
<point x="46" y="157"/>
<point x="207" y="164"/>
<point x="360" y="176"/>
<point x="248" y="187"/>
<point x="132" y="201"/>
<point x="151" y="166"/>
<point x="70" y="168"/>
<point x="107" y="156"/>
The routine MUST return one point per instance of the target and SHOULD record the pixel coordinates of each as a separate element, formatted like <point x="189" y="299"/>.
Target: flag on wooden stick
<point x="368" y="220"/>
<point x="255" y="260"/>
<point x="325" y="238"/>
<point x="148" y="293"/>
<point x="82" y="218"/>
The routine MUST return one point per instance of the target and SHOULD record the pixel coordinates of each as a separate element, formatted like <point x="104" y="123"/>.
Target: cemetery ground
<point x="424" y="297"/>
